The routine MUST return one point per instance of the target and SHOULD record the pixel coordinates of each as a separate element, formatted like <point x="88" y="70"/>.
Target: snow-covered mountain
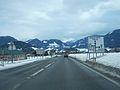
<point x="69" y="43"/>
<point x="35" y="42"/>
<point x="45" y="44"/>
<point x="82" y="43"/>
<point x="112" y="40"/>
<point x="6" y="39"/>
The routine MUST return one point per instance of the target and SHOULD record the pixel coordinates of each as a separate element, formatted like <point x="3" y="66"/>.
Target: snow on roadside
<point x="82" y="57"/>
<point x="22" y="62"/>
<point x="110" y="59"/>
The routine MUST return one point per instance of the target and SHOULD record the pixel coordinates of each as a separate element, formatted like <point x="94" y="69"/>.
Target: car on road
<point x="66" y="55"/>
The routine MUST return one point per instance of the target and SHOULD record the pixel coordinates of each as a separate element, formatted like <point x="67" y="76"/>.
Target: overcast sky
<point x="58" y="19"/>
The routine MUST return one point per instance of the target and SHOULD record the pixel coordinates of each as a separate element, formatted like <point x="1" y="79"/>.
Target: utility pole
<point x="88" y="51"/>
<point x="12" y="51"/>
<point x="93" y="52"/>
<point x="3" y="56"/>
<point x="95" y="49"/>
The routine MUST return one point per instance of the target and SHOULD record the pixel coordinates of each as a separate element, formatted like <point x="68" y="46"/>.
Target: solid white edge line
<point x="109" y="79"/>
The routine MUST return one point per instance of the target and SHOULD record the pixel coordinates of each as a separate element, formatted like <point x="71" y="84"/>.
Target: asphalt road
<point x="58" y="73"/>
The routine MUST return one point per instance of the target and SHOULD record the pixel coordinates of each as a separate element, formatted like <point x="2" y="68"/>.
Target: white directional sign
<point x="96" y="44"/>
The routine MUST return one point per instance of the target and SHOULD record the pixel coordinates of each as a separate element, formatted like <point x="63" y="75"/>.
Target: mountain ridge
<point x="112" y="40"/>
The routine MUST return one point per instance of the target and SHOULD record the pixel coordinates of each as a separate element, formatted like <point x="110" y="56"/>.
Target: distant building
<point x="40" y="51"/>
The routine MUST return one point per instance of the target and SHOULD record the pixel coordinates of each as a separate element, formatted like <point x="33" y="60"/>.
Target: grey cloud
<point x="59" y="19"/>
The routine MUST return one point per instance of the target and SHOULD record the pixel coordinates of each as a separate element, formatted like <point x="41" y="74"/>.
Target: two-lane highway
<point x="58" y="73"/>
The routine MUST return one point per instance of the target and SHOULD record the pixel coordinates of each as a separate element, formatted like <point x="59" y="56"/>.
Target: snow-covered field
<point x="82" y="57"/>
<point x="8" y="65"/>
<point x="110" y="59"/>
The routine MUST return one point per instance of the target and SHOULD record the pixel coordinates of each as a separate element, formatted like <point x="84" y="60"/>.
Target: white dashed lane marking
<point x="16" y="86"/>
<point x="36" y="73"/>
<point x="48" y="65"/>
